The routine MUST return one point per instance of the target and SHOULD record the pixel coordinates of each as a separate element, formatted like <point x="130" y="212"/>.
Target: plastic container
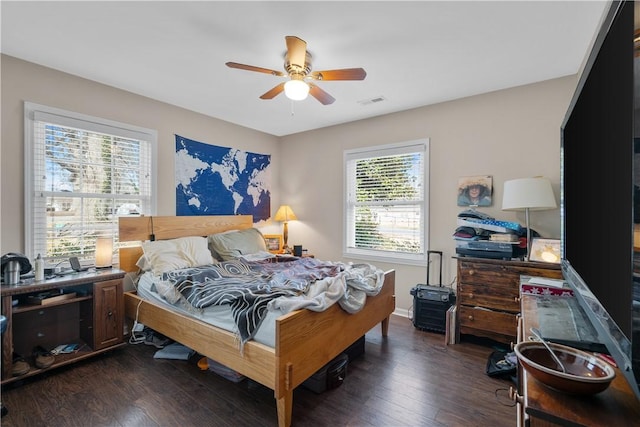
<point x="39" y="267"/>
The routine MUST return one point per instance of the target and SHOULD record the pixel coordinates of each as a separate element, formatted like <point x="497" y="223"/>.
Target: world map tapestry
<point x="212" y="180"/>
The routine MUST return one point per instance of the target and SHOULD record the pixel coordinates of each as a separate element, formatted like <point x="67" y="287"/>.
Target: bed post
<point x="385" y="326"/>
<point x="284" y="404"/>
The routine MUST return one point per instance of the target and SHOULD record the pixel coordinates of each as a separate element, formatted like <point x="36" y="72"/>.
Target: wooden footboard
<point x="258" y="361"/>
<point x="305" y="340"/>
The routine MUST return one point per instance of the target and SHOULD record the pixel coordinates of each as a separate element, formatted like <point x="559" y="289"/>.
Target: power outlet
<point x="138" y="327"/>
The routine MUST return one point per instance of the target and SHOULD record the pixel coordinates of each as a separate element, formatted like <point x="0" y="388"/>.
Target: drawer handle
<point x="513" y="395"/>
<point x="517" y="299"/>
<point x="472" y="272"/>
<point x="470" y="317"/>
<point x="110" y="313"/>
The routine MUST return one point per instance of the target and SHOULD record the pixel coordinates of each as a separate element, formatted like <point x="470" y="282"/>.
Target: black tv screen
<point x="597" y="170"/>
<point x="597" y="162"/>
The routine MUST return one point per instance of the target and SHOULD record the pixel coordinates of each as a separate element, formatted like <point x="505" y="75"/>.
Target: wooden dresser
<point x="540" y="406"/>
<point x="488" y="297"/>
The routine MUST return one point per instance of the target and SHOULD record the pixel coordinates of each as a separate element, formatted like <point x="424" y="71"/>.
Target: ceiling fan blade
<point x="252" y="68"/>
<point x="320" y="95"/>
<point x="343" y="74"/>
<point x="296" y="51"/>
<point x="273" y="92"/>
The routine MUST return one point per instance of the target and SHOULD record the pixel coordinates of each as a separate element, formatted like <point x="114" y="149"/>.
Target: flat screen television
<point x="597" y="190"/>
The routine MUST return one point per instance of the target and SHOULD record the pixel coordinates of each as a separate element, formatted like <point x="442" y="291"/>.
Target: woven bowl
<point x="586" y="374"/>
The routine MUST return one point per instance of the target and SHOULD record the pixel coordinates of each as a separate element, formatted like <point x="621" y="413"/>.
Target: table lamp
<point x="104" y="252"/>
<point x="284" y="215"/>
<point x="528" y="194"/>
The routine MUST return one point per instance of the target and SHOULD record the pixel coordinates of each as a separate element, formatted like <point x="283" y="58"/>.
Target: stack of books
<point x="504" y="237"/>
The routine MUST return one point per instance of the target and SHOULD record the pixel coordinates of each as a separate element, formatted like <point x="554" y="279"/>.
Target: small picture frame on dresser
<point x="274" y="243"/>
<point x="545" y="250"/>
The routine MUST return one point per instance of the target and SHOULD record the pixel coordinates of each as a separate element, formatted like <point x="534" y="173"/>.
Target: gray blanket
<point x="248" y="286"/>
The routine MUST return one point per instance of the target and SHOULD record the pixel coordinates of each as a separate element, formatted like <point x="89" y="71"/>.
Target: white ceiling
<point x="415" y="53"/>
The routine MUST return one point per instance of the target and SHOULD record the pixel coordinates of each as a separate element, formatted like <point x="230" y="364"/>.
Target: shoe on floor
<point x="19" y="366"/>
<point x="155" y="339"/>
<point x="43" y="358"/>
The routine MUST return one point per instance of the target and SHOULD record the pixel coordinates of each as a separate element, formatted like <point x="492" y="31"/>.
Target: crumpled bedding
<point x="251" y="288"/>
<point x="350" y="289"/>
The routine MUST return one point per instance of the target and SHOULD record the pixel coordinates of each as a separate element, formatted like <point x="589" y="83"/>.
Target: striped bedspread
<point x="248" y="286"/>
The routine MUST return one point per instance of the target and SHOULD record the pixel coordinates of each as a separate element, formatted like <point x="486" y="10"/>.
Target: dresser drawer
<point x="46" y="316"/>
<point x="489" y="295"/>
<point x="47" y="327"/>
<point x="474" y="319"/>
<point x="481" y="274"/>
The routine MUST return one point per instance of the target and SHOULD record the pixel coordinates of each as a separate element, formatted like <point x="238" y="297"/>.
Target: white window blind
<point x="386" y="202"/>
<point x="82" y="173"/>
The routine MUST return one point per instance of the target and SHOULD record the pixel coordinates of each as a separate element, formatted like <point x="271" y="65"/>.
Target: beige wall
<point x="508" y="134"/>
<point x="24" y="81"/>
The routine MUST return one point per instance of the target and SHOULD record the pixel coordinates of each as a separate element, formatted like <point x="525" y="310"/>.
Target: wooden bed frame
<point x="305" y="340"/>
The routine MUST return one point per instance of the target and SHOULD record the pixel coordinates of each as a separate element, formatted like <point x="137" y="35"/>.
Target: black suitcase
<point x="430" y="303"/>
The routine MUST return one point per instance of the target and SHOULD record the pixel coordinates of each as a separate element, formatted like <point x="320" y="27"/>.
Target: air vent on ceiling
<point x="374" y="100"/>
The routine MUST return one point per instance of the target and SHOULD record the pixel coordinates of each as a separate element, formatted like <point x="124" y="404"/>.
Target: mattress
<point x="219" y="316"/>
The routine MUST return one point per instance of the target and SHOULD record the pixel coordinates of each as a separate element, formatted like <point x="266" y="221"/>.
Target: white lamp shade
<point x="296" y="90"/>
<point x="528" y="193"/>
<point x="104" y="252"/>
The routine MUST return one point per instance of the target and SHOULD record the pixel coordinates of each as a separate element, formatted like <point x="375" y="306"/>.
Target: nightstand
<point x="85" y="308"/>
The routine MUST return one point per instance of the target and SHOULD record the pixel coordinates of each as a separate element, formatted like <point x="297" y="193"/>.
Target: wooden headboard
<point x="140" y="228"/>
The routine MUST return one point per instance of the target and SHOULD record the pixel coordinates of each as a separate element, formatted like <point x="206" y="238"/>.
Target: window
<point x="81" y="174"/>
<point x="386" y="202"/>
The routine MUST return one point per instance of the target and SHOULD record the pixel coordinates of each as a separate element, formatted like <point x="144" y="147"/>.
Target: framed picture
<point x="545" y="250"/>
<point x="274" y="243"/>
<point x="475" y="190"/>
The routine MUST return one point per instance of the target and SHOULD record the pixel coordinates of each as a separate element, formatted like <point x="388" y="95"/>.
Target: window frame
<point x="85" y="122"/>
<point x="421" y="259"/>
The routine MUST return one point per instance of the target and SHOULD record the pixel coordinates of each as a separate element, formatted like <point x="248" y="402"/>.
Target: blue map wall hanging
<point x="212" y="180"/>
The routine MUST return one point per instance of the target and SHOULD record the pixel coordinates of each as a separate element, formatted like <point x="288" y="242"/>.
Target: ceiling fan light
<point x="296" y="90"/>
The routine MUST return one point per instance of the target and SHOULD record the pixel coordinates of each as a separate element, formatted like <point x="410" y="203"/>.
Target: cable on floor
<point x="137" y="337"/>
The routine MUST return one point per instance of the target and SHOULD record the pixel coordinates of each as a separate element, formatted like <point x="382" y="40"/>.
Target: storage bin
<point x="330" y="376"/>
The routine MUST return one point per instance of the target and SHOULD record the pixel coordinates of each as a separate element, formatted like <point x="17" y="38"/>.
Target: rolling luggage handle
<point x="439" y="253"/>
<point x="431" y="303"/>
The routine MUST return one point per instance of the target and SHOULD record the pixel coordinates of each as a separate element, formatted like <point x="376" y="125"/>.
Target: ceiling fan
<point x="297" y="65"/>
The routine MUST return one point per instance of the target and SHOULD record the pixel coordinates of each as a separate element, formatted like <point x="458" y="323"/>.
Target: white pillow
<point x="195" y="250"/>
<point x="183" y="252"/>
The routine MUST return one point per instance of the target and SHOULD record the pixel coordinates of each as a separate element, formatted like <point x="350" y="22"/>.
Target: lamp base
<point x="526" y="214"/>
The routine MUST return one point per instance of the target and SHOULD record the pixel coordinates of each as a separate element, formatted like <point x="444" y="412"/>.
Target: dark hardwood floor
<point x="409" y="378"/>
